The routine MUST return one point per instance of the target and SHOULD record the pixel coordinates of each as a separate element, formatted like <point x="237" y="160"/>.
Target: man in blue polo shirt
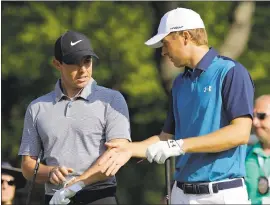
<point x="209" y="120"/>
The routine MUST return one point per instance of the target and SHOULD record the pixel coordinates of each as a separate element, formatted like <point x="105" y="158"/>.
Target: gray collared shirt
<point x="72" y="132"/>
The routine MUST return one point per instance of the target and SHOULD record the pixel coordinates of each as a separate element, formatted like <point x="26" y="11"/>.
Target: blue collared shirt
<point x="204" y="100"/>
<point x="237" y="87"/>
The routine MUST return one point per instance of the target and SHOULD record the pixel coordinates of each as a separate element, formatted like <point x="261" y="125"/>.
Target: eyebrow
<point x="87" y="57"/>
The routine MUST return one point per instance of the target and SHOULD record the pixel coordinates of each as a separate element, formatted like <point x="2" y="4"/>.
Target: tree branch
<point x="237" y="38"/>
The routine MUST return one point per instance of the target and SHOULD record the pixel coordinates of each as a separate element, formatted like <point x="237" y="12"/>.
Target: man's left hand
<point x="162" y="150"/>
<point x="63" y="195"/>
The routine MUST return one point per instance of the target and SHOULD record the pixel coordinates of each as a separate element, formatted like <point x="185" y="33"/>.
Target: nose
<point x="4" y="184"/>
<point x="164" y="51"/>
<point x="83" y="68"/>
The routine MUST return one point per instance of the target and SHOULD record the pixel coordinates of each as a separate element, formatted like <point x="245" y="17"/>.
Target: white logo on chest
<point x="207" y="89"/>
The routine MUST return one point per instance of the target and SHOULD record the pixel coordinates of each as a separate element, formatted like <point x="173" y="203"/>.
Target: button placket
<point x="68" y="109"/>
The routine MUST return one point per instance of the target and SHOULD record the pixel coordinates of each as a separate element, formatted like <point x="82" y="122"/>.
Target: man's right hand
<point x="58" y="175"/>
<point x="117" y="155"/>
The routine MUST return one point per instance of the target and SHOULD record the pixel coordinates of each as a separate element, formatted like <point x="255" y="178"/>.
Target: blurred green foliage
<point x="117" y="31"/>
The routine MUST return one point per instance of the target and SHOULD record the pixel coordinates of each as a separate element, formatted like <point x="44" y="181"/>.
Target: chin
<point x="260" y="133"/>
<point x="179" y="65"/>
<point x="82" y="84"/>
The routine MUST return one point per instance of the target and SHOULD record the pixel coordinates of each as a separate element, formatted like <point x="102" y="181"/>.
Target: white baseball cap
<point x="175" y="20"/>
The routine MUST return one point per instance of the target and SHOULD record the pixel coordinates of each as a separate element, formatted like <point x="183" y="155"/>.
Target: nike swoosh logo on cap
<point x="72" y="44"/>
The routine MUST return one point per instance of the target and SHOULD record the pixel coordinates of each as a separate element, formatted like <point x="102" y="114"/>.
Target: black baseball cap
<point x="20" y="181"/>
<point x="71" y="47"/>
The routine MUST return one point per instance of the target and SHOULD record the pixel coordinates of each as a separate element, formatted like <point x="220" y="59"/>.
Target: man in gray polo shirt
<point x="71" y="125"/>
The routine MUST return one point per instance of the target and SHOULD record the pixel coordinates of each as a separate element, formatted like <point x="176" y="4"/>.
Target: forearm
<point x="138" y="149"/>
<point x="42" y="174"/>
<point x="92" y="175"/>
<point x="224" y="139"/>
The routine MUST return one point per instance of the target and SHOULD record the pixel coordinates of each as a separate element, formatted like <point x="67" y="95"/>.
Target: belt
<point x="209" y="188"/>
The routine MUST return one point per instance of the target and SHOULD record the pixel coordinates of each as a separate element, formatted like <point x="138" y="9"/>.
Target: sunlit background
<point x="118" y="31"/>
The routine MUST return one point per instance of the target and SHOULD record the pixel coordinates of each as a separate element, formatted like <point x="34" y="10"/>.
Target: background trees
<point x="118" y="31"/>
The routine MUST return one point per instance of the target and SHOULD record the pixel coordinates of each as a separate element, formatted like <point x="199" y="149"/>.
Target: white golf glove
<point x="62" y="196"/>
<point x="162" y="150"/>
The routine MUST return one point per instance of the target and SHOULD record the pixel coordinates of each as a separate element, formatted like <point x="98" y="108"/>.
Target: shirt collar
<point x="58" y="91"/>
<point x="259" y="150"/>
<point x="90" y="87"/>
<point x="187" y="72"/>
<point x="207" y="59"/>
<point x="203" y="64"/>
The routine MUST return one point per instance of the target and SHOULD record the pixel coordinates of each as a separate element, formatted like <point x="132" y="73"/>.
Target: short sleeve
<point x="30" y="141"/>
<point x="117" y="119"/>
<point x="238" y="93"/>
<point x="169" y="125"/>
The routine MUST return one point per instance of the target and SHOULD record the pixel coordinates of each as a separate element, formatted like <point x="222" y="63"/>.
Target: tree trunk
<point x="238" y="35"/>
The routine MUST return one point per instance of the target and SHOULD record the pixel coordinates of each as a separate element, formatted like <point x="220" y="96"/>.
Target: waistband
<point x="88" y="196"/>
<point x="209" y="187"/>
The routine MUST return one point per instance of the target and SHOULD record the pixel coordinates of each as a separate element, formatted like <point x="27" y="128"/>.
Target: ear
<point x="187" y="37"/>
<point x="56" y="64"/>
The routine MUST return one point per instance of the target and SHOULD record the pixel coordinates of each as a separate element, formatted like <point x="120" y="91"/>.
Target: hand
<point x="63" y="195"/>
<point x="58" y="175"/>
<point x="162" y="150"/>
<point x="114" y="158"/>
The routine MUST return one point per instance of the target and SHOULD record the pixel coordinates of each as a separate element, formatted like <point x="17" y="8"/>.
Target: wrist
<point x="77" y="186"/>
<point x="81" y="178"/>
<point x="51" y="171"/>
<point x="177" y="146"/>
<point x="130" y="149"/>
<point x="181" y="145"/>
